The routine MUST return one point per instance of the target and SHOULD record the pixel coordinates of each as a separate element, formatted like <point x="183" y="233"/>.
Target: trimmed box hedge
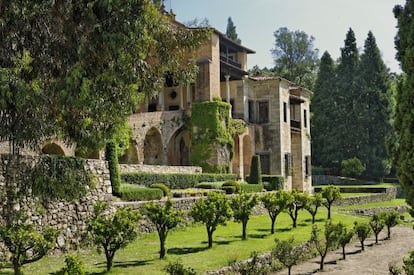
<point x="131" y="192"/>
<point x="273" y="182"/>
<point x="174" y="181"/>
<point x="251" y="188"/>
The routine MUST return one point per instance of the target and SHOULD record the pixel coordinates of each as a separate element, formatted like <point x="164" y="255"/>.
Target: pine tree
<point x="374" y="110"/>
<point x="231" y="31"/>
<point x="404" y="118"/>
<point x="323" y="106"/>
<point x="345" y="135"/>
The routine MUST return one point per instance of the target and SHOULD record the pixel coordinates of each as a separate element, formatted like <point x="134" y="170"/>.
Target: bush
<point x="209" y="185"/>
<point x="233" y="183"/>
<point x="112" y="158"/>
<point x="177" y="268"/>
<point x="229" y="189"/>
<point x="352" y="167"/>
<point x="165" y="190"/>
<point x="255" y="171"/>
<point x="73" y="266"/>
<point x="130" y="192"/>
<point x="174" y="181"/>
<point x="251" y="188"/>
<point x="273" y="182"/>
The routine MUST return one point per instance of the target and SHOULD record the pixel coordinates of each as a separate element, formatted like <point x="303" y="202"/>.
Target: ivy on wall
<point x="212" y="126"/>
<point x="59" y="177"/>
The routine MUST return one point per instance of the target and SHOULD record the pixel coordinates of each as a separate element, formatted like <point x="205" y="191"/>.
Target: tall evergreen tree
<point x="231" y="31"/>
<point x="323" y="106"/>
<point x="373" y="106"/>
<point x="345" y="134"/>
<point x="404" y="117"/>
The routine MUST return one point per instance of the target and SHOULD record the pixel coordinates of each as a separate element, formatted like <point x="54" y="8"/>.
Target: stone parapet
<point x="160" y="169"/>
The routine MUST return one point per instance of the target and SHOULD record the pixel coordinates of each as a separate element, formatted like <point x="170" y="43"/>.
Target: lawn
<point x="189" y="244"/>
<point x="391" y="203"/>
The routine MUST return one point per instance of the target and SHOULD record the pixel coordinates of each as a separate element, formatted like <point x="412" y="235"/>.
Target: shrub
<point x="209" y="185"/>
<point x="255" y="170"/>
<point x="233" y="183"/>
<point x="165" y="190"/>
<point x="352" y="167"/>
<point x="112" y="158"/>
<point x="251" y="188"/>
<point x="229" y="189"/>
<point x="73" y="266"/>
<point x="130" y="192"/>
<point x="273" y="182"/>
<point x="177" y="268"/>
<point x="174" y="181"/>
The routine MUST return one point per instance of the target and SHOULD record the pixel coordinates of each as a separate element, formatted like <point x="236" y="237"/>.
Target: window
<point x="305" y="119"/>
<point x="288" y="164"/>
<point x="284" y="112"/>
<point x="263" y="112"/>
<point x="251" y="111"/>
<point x="308" y="165"/>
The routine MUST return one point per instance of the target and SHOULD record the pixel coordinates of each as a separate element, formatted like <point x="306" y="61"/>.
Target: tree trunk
<point x="376" y="238"/>
<point x="329" y="211"/>
<point x="210" y="238"/>
<point x="244" y="235"/>
<point x="162" y="246"/>
<point x="272" y="228"/>
<point x="343" y="252"/>
<point x="322" y="262"/>
<point x="109" y="258"/>
<point x="16" y="266"/>
<point x="289" y="270"/>
<point x="313" y="218"/>
<point x="362" y="246"/>
<point x="388" y="232"/>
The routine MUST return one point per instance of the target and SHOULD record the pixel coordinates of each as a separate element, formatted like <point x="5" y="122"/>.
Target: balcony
<point x="295" y="125"/>
<point x="230" y="61"/>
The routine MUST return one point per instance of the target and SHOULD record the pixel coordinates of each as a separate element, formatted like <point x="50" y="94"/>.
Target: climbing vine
<point x="58" y="177"/>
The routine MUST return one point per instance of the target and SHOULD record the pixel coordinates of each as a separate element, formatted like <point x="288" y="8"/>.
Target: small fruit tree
<point x="330" y="194"/>
<point x="242" y="206"/>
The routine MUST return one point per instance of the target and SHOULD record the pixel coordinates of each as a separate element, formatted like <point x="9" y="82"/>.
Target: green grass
<point x="361" y="185"/>
<point x="347" y="195"/>
<point x="391" y="203"/>
<point x="190" y="244"/>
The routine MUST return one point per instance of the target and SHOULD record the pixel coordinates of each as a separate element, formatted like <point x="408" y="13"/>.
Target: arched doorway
<point x="247" y="154"/>
<point x="53" y="149"/>
<point x="130" y="155"/>
<point x="153" y="147"/>
<point x="178" y="148"/>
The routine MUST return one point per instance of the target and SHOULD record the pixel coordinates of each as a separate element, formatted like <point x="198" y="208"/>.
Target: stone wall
<point x="326" y="179"/>
<point x="69" y="218"/>
<point x="389" y="194"/>
<point x="160" y="169"/>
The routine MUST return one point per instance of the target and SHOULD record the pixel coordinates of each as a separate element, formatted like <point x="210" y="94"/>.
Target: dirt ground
<point x="374" y="260"/>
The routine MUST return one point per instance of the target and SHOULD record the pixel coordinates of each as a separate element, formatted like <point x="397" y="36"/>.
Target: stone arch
<point x="153" y="147"/>
<point x="130" y="155"/>
<point x="236" y="162"/>
<point x="247" y="154"/>
<point x="179" y="148"/>
<point x="53" y="149"/>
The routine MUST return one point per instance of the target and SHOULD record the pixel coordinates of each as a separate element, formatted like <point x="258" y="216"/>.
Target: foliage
<point x="287" y="253"/>
<point x="113" y="164"/>
<point x="362" y="230"/>
<point x="229" y="189"/>
<point x="391" y="219"/>
<point x="294" y="56"/>
<point x="273" y="182"/>
<point x="242" y="206"/>
<point x="404" y="120"/>
<point x="231" y="31"/>
<point x="251" y="188"/>
<point x="232" y="183"/>
<point x="331" y="194"/>
<point x="237" y="126"/>
<point x="352" y="167"/>
<point x="327" y="242"/>
<point x="212" y="211"/>
<point x="409" y="263"/>
<point x="165" y="190"/>
<point x="345" y="236"/>
<point x="25" y="243"/>
<point x="174" y="181"/>
<point x="59" y="177"/>
<point x="164" y="218"/>
<point x="112" y="232"/>
<point x="210" y="123"/>
<point x="73" y="266"/>
<point x="253" y="266"/>
<point x="131" y="192"/>
<point x="322" y="106"/>
<point x="275" y="203"/>
<point x="255" y="175"/>
<point x="314" y="202"/>
<point x="177" y="268"/>
<point x="377" y="224"/>
<point x="92" y="63"/>
<point x="299" y="202"/>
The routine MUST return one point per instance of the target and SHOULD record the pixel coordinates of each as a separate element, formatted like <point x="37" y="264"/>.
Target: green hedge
<point x="251" y="188"/>
<point x="165" y="190"/>
<point x="130" y="192"/>
<point x="174" y="181"/>
<point x="209" y="185"/>
<point x="273" y="182"/>
<point x="232" y="183"/>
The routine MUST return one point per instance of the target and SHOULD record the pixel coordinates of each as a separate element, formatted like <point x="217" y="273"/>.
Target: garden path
<point x="373" y="261"/>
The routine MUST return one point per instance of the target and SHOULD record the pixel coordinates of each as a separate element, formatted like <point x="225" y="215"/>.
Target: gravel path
<point x="374" y="260"/>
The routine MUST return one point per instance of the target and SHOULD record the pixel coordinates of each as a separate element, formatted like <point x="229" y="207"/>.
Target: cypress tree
<point x="373" y="106"/>
<point x="255" y="176"/>
<point x="404" y="118"/>
<point x="112" y="158"/>
<point x="323" y="106"/>
<point x="231" y="31"/>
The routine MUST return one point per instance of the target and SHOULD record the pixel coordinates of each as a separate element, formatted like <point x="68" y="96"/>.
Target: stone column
<point x="227" y="77"/>
<point x="161" y="100"/>
<point x="188" y="96"/>
<point x="182" y="98"/>
<point x="245" y="99"/>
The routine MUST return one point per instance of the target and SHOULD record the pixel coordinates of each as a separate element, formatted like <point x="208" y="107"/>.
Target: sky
<point x="326" y="20"/>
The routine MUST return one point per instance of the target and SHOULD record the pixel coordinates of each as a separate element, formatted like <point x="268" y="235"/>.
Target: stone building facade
<point x="276" y="111"/>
